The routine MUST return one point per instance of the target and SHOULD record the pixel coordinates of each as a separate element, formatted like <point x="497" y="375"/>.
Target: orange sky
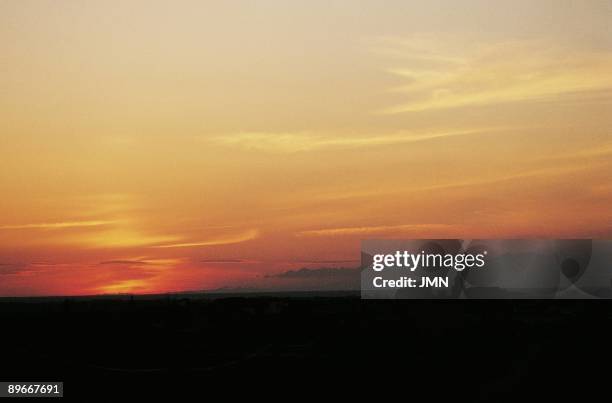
<point x="153" y="146"/>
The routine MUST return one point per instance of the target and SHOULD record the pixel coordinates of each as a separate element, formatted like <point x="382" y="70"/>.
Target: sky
<point x="162" y="146"/>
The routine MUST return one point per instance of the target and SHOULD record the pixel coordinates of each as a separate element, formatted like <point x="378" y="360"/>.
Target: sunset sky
<point x="158" y="146"/>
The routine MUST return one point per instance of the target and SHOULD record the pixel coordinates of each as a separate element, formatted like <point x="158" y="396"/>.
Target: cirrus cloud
<point x="438" y="73"/>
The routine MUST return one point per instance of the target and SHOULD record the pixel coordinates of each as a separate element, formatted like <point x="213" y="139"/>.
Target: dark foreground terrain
<point x="318" y="346"/>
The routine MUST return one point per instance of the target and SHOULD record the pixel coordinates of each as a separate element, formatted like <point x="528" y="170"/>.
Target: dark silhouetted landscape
<point x="116" y="348"/>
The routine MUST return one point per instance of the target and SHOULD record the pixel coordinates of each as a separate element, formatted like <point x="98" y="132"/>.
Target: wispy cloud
<point x="335" y="261"/>
<point x="119" y="238"/>
<point x="296" y="142"/>
<point x="438" y="76"/>
<point x="229" y="261"/>
<point x="142" y="262"/>
<point x="11" y="268"/>
<point x="124" y="262"/>
<point x="57" y="225"/>
<point x="222" y="240"/>
<point x="604" y="150"/>
<point x="373" y="230"/>
<point x="545" y="172"/>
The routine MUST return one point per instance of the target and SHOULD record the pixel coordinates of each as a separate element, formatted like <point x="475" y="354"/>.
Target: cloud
<point x="11" y="268"/>
<point x="301" y="142"/>
<point x="119" y="238"/>
<point x="57" y="225"/>
<point x="373" y="230"/>
<point x="224" y="240"/>
<point x="227" y="261"/>
<point x="124" y="262"/>
<point x="319" y="273"/>
<point x="32" y="268"/>
<point x="324" y="278"/>
<point x="440" y="74"/>
<point x="140" y="262"/>
<point x="534" y="173"/>
<point x="328" y="261"/>
<point x="603" y="150"/>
